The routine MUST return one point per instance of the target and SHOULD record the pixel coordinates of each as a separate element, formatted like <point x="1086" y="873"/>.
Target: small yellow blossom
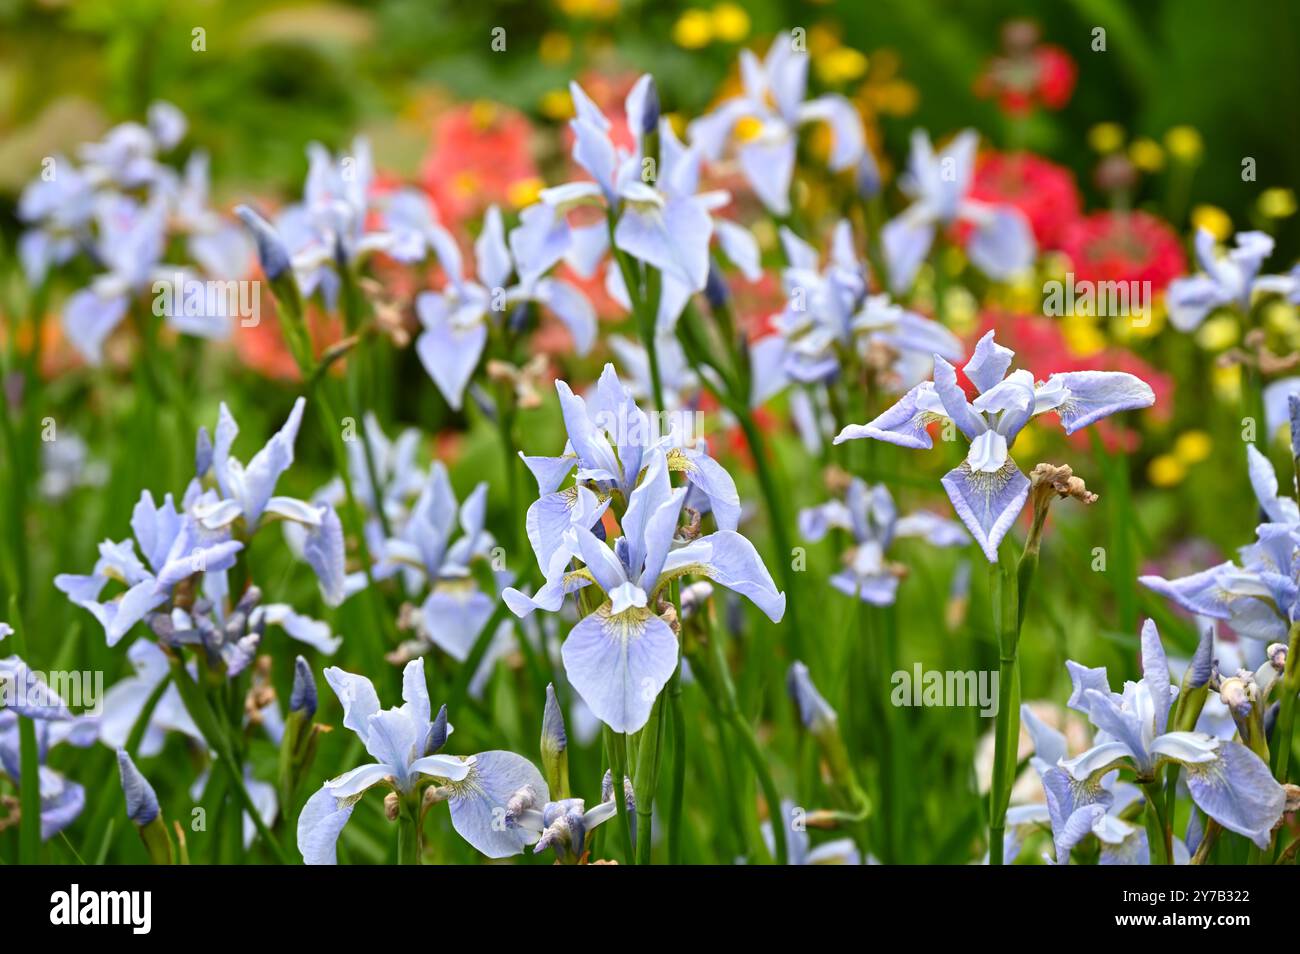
<point x="730" y="22"/>
<point x="1219" y="333"/>
<point x="1082" y="336"/>
<point x="1281" y="317"/>
<point x="524" y="192"/>
<point x="1106" y="137"/>
<point x="1214" y="220"/>
<point x="840" y="65"/>
<point x="591" y="9"/>
<point x="483" y="113"/>
<point x="555" y="48"/>
<point x="1192" y="447"/>
<point x="1166" y="471"/>
<point x="747" y="128"/>
<point x="1226" y="383"/>
<point x="557" y="104"/>
<point x="961" y="309"/>
<point x="1146" y="154"/>
<point x="1028" y="443"/>
<point x="693" y="30"/>
<point x="1184" y="143"/>
<point x="1277" y="203"/>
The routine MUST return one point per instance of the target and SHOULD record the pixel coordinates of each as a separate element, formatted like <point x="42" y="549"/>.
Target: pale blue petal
<point x="988" y="503"/>
<point x="448" y="351"/>
<point x="357" y="696"/>
<point x="619" y="664"/>
<point x="1092" y="395"/>
<point x="769" y="168"/>
<point x="478" y="803"/>
<point x="988" y="363"/>
<point x="319" y="825"/>
<point x="1238" y="791"/>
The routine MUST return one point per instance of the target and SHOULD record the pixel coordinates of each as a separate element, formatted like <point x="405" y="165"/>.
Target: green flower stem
<point x="409" y="840"/>
<point x="715" y="678"/>
<point x="1282" y="732"/>
<point x="1159" y="835"/>
<point x="200" y="711"/>
<point x="1006" y="615"/>
<point x="616" y="752"/>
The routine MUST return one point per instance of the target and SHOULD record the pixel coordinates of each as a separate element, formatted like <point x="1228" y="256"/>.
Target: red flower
<point x="1124" y="246"/>
<point x="480" y="155"/>
<point x="1029" y="74"/>
<point x="1044" y="192"/>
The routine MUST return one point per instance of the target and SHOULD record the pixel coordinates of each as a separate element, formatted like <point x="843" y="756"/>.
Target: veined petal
<point x="1201" y="593"/>
<point x="319" y="825"/>
<point x="479" y="801"/>
<point x="988" y="503"/>
<point x="903" y="424"/>
<point x="1236" y="789"/>
<point x="619" y="664"/>
<point x="1093" y="395"/>
<point x="730" y="560"/>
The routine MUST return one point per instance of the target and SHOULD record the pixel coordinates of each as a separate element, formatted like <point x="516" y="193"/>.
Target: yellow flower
<point x="557" y="104"/>
<point x="1219" y="333"/>
<point x="1214" y="220"/>
<point x="524" y="192"/>
<point x="1081" y="336"/>
<point x="595" y="9"/>
<point x="730" y="22"/>
<point x="483" y="113"/>
<point x="840" y="65"/>
<point x="1106" y="137"/>
<point x="1147" y="155"/>
<point x="555" y="48"/>
<point x="1226" y="381"/>
<point x="1277" y="203"/>
<point x="693" y="29"/>
<point x="1028" y="443"/>
<point x="1281" y="318"/>
<point x="747" y="128"/>
<point x="1166" y="471"/>
<point x="1184" y="143"/>
<point x="895" y="98"/>
<point x="1192" y="447"/>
